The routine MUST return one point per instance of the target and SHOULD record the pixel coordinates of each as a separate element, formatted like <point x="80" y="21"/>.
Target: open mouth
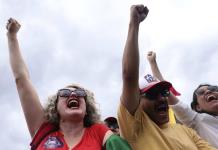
<point x="211" y="98"/>
<point x="73" y="103"/>
<point x="162" y="107"/>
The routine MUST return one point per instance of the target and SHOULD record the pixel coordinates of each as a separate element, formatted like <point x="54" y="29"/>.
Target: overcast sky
<point x="82" y="41"/>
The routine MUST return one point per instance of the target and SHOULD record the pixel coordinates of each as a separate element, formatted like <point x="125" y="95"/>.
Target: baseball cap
<point x="148" y="82"/>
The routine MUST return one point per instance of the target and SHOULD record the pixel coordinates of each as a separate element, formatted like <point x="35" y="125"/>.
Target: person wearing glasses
<point x="143" y="111"/>
<point x="203" y="114"/>
<point x="70" y="119"/>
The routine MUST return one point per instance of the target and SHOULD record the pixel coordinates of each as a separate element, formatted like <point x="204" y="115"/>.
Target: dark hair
<point x="194" y="102"/>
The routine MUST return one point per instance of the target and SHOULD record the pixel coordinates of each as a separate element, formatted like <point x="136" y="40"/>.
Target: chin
<point x="163" y="120"/>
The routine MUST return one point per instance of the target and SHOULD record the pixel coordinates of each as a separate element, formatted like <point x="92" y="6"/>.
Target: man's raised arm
<point x="130" y="64"/>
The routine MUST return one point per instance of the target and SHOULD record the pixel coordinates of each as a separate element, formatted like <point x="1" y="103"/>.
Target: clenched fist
<point x="151" y="56"/>
<point x="138" y="13"/>
<point x="12" y="26"/>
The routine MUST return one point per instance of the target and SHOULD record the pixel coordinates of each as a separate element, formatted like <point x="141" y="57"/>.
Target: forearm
<point x="29" y="99"/>
<point x="155" y="70"/>
<point x="131" y="55"/>
<point x="172" y="99"/>
<point x="130" y="94"/>
<point x="17" y="63"/>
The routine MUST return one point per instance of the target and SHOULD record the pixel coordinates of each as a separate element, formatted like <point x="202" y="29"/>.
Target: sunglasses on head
<point x="153" y="94"/>
<point x="202" y="91"/>
<point x="67" y="93"/>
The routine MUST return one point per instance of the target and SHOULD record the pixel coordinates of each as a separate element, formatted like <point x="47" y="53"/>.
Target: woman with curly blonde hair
<point x="70" y="120"/>
<point x="91" y="117"/>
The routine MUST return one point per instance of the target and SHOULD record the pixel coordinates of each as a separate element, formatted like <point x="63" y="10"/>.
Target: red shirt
<point x="92" y="139"/>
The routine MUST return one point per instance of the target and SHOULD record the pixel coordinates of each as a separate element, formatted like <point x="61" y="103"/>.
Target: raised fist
<point x="12" y="26"/>
<point x="151" y="56"/>
<point x="138" y="13"/>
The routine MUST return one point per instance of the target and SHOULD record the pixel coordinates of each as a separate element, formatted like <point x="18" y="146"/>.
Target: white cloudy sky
<point x="81" y="41"/>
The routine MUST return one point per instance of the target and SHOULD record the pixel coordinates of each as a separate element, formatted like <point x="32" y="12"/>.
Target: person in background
<point x="203" y="117"/>
<point x="112" y="124"/>
<point x="143" y="112"/>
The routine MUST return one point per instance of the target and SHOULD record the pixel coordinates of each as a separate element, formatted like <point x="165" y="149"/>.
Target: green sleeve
<point x="115" y="142"/>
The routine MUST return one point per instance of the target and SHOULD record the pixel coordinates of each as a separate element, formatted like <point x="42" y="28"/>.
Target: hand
<point x="151" y="56"/>
<point x="12" y="26"/>
<point x="138" y="13"/>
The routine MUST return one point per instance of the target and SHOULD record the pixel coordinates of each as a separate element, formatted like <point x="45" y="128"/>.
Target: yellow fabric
<point x="172" y="119"/>
<point x="144" y="134"/>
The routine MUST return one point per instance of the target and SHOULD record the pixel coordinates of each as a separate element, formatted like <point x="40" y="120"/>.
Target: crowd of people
<point x="71" y="120"/>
